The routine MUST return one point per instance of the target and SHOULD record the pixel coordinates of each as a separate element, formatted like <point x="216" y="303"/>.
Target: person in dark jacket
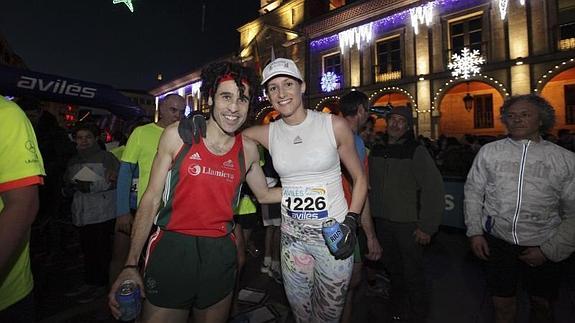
<point x="407" y="200"/>
<point x="56" y="148"/>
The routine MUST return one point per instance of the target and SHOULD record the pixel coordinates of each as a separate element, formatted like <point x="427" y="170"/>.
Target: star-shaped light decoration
<point x="128" y="3"/>
<point x="466" y="64"/>
<point x="329" y="81"/>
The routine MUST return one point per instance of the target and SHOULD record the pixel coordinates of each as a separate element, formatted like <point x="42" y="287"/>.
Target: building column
<point x="422" y="63"/>
<point x="518" y="48"/>
<point x="424" y="106"/>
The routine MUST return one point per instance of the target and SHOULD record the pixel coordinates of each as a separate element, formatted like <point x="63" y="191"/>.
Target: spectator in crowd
<point x="455" y="158"/>
<point x="21" y="171"/>
<point x="354" y="107"/>
<point x="134" y="174"/>
<point x="56" y="148"/>
<point x="520" y="209"/>
<point x="91" y="178"/>
<point x="367" y="131"/>
<point x="271" y="218"/>
<point x="407" y="199"/>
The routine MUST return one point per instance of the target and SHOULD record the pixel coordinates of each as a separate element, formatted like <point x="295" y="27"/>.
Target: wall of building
<point x="519" y="50"/>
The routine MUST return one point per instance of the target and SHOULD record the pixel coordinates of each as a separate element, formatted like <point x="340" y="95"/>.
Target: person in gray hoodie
<point x="520" y="209"/>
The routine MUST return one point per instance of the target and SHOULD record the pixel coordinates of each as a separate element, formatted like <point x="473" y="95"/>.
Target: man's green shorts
<point x="184" y="271"/>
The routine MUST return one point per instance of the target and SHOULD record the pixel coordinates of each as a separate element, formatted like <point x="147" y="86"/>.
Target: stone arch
<point x="391" y="90"/>
<point x="482" y="119"/>
<point x="559" y="91"/>
<point x="329" y="104"/>
<point x="265" y="111"/>
<point x="449" y="84"/>
<point x="552" y="73"/>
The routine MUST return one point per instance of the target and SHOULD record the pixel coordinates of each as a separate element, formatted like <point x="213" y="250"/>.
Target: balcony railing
<point x="384" y="77"/>
<point x="567" y="44"/>
<point x="566" y="39"/>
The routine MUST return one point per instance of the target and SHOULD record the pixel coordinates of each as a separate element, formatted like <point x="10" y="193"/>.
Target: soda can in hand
<point x="129" y="299"/>
<point x="331" y="234"/>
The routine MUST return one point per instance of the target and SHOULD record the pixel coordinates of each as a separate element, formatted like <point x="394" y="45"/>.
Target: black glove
<point x="346" y="246"/>
<point x="192" y="128"/>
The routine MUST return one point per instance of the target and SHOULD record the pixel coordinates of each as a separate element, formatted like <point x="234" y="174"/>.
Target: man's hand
<point x="421" y="237"/>
<point x="479" y="247"/>
<point x="346" y="246"/>
<point x="125" y="274"/>
<point x="533" y="256"/>
<point x="192" y="128"/>
<point x="374" y="249"/>
<point x="124" y="223"/>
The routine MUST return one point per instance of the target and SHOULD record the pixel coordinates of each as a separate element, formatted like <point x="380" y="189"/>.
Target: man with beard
<point x="407" y="200"/>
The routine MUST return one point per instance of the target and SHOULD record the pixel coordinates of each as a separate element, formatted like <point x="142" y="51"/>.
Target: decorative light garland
<point x="503" y="8"/>
<point x="503" y="5"/>
<point x="327" y="98"/>
<point x="396" y="20"/>
<point x="390" y="89"/>
<point x="421" y="15"/>
<point x="466" y="64"/>
<point x="553" y="70"/>
<point x="265" y="109"/>
<point x="355" y="35"/>
<point x="329" y="82"/>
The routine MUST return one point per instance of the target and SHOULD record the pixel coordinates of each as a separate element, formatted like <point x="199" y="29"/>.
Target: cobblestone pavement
<point x="455" y="280"/>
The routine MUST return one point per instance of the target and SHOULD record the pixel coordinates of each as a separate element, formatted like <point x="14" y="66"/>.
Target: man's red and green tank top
<point x="202" y="190"/>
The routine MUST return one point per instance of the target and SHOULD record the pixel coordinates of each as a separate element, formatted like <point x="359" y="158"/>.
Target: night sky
<point x="97" y="41"/>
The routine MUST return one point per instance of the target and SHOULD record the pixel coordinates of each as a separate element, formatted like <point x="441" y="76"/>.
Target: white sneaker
<point x="265" y="269"/>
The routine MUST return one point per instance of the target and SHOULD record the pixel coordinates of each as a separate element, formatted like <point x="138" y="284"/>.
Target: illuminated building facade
<point x="278" y="29"/>
<point x="412" y="53"/>
<point x="278" y="32"/>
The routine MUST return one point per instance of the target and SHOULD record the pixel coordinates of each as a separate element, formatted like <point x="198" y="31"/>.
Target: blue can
<point x="128" y="297"/>
<point x="331" y="234"/>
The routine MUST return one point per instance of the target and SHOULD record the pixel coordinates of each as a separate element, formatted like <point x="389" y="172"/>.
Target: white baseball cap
<point x="280" y="66"/>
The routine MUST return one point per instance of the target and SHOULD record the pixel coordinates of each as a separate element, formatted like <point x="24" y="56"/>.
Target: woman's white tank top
<point x="306" y="158"/>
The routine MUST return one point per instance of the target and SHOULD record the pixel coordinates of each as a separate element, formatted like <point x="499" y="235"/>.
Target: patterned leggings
<point x="315" y="282"/>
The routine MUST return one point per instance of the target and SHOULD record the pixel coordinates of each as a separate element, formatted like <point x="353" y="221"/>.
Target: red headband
<point x="229" y="76"/>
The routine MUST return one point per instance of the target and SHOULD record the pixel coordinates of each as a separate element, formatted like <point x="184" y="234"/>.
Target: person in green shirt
<point x="21" y="171"/>
<point x="135" y="167"/>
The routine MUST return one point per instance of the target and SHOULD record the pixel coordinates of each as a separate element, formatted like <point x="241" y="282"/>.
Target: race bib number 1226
<point x="305" y="203"/>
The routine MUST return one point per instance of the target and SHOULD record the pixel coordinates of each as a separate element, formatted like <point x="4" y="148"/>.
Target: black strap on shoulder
<point x="242" y="160"/>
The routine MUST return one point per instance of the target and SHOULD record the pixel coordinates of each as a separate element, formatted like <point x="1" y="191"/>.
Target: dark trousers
<point x="20" y="312"/>
<point x="403" y="259"/>
<point x="96" y="243"/>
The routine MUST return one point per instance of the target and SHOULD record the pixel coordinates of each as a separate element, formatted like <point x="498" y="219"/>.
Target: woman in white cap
<point x="306" y="147"/>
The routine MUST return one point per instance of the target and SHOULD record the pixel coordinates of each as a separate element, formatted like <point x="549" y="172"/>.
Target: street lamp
<point x="468" y="100"/>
